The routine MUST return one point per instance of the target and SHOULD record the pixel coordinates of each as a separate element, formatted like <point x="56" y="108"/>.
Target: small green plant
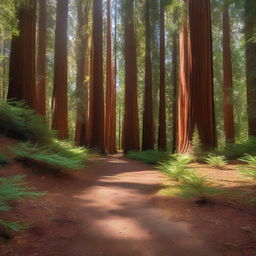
<point x="3" y="160"/>
<point x="59" y="154"/>
<point x="148" y="157"/>
<point x="216" y="161"/>
<point x="176" y="167"/>
<point x="14" y="189"/>
<point x="250" y="170"/>
<point x="20" y="122"/>
<point x="195" y="186"/>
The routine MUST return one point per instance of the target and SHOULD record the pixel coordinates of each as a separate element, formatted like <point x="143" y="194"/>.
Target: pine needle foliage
<point x="20" y="122"/>
<point x="176" y="168"/>
<point x="149" y="156"/>
<point x="216" y="161"/>
<point x="14" y="189"/>
<point x="59" y="154"/>
<point x="248" y="171"/>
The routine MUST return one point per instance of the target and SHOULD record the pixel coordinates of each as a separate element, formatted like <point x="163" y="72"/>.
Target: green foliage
<point x="234" y="151"/>
<point x="176" y="167"/>
<point x="195" y="186"/>
<point x="3" y="160"/>
<point x="216" y="161"/>
<point x="148" y="157"/>
<point x="59" y="154"/>
<point x="14" y="189"/>
<point x="250" y="170"/>
<point x="21" y="122"/>
<point x="197" y="151"/>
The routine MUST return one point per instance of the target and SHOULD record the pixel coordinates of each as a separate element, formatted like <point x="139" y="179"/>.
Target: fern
<point x="250" y="170"/>
<point x="216" y="161"/>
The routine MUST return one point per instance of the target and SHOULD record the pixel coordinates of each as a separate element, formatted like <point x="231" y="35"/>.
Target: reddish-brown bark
<point x="22" y="84"/>
<point x="162" y="94"/>
<point x="196" y="105"/>
<point x="60" y="100"/>
<point x="131" y="139"/>
<point x="229" y="125"/>
<point x="97" y="133"/>
<point x="82" y="74"/>
<point x="41" y="59"/>
<point x="148" y="131"/>
<point x="250" y="24"/>
<point x="110" y="132"/>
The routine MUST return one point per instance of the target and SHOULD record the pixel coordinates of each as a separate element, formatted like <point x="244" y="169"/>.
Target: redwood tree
<point x="82" y="73"/>
<point x="60" y="101"/>
<point x="148" y="132"/>
<point x="162" y="97"/>
<point x="229" y="125"/>
<point x="250" y="25"/>
<point x="97" y="94"/>
<point x="110" y="135"/>
<point x="22" y="85"/>
<point x="41" y="59"/>
<point x="131" y="139"/>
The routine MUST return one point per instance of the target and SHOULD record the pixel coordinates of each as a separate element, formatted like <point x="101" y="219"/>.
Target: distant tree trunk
<point x="41" y="59"/>
<point x="22" y="84"/>
<point x="97" y="101"/>
<point x="82" y="74"/>
<point x="131" y="139"/>
<point x="175" y="54"/>
<point x="110" y="91"/>
<point x="162" y="100"/>
<point x="229" y="125"/>
<point x="184" y="132"/>
<point x="250" y="25"/>
<point x="60" y="99"/>
<point x="148" y="132"/>
<point x="196" y="105"/>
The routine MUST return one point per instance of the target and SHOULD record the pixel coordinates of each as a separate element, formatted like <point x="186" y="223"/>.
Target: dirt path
<point x="109" y="214"/>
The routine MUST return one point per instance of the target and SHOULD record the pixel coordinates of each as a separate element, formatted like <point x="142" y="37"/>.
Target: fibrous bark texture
<point x="162" y="99"/>
<point x="148" y="132"/>
<point x="110" y="135"/>
<point x="97" y="133"/>
<point x="22" y="84"/>
<point x="250" y="24"/>
<point x="196" y="105"/>
<point x="41" y="59"/>
<point x="131" y="139"/>
<point x="229" y="125"/>
<point x="60" y="100"/>
<point x="82" y="73"/>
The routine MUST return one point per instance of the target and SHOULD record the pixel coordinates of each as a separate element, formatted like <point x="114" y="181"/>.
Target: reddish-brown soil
<point x="112" y="209"/>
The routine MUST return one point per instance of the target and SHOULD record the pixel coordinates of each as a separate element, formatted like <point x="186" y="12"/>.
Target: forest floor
<point x="114" y="208"/>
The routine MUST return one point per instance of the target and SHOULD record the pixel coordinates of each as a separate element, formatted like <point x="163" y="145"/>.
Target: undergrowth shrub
<point x="21" y="122"/>
<point x="176" y="168"/>
<point x="248" y="171"/>
<point x="216" y="161"/>
<point x="198" y="187"/>
<point x="59" y="154"/>
<point x="149" y="156"/>
<point x="14" y="189"/>
<point x="3" y="160"/>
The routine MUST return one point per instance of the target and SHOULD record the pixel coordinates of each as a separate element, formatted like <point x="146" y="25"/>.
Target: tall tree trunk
<point x="60" y="99"/>
<point x="82" y="73"/>
<point x="22" y="58"/>
<point x="162" y="100"/>
<point x="250" y="25"/>
<point x="196" y="105"/>
<point x="175" y="50"/>
<point x="110" y="134"/>
<point x="41" y="59"/>
<point x="131" y="140"/>
<point x="229" y="125"/>
<point x="97" y="101"/>
<point x="148" y="132"/>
